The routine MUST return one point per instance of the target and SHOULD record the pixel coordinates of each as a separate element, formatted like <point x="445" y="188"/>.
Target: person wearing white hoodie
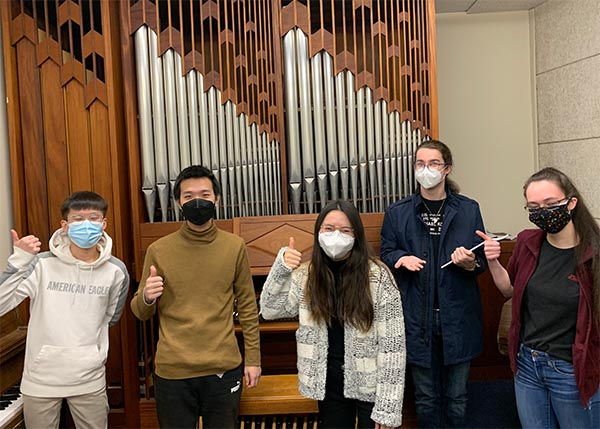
<point x="77" y="291"/>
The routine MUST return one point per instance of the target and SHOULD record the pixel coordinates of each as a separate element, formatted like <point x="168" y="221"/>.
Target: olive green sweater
<point x="203" y="273"/>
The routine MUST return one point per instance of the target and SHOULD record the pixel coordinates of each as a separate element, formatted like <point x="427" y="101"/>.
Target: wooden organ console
<point x="13" y="333"/>
<point x="276" y="401"/>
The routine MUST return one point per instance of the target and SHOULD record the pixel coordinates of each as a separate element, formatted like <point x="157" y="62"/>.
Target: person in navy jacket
<point x="442" y="307"/>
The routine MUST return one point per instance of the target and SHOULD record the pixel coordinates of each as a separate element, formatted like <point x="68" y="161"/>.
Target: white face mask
<point x="428" y="178"/>
<point x="336" y="244"/>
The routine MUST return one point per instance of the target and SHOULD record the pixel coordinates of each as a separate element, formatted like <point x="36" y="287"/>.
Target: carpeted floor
<point x="492" y="405"/>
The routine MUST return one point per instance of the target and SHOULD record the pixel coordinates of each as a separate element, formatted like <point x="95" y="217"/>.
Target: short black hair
<point x="195" y="172"/>
<point x="83" y="200"/>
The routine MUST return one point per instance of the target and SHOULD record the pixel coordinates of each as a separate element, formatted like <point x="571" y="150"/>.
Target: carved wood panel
<point x="66" y="130"/>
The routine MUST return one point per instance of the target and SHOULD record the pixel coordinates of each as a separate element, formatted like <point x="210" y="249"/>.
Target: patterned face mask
<point x="551" y="219"/>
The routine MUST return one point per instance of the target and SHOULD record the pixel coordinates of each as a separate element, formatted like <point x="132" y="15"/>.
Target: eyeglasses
<point x="343" y="229"/>
<point x="92" y="217"/>
<point x="433" y="165"/>
<point x="554" y="205"/>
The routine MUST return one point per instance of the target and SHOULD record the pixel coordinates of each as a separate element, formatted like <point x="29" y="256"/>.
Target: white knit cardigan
<point x="374" y="361"/>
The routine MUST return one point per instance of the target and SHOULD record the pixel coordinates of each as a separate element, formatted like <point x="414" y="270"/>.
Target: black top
<point x="432" y="213"/>
<point x="336" y="330"/>
<point x="550" y="303"/>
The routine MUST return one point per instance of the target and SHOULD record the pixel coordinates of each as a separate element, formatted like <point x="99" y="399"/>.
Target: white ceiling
<point x="483" y="6"/>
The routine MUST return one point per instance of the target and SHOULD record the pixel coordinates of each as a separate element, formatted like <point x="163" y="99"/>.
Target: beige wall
<point x="486" y="108"/>
<point x="567" y="38"/>
<point x="6" y="216"/>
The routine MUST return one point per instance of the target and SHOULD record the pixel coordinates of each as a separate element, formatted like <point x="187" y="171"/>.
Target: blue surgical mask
<point x="85" y="234"/>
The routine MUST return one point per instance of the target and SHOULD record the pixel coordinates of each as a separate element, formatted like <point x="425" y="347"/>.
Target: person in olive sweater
<point x="193" y="277"/>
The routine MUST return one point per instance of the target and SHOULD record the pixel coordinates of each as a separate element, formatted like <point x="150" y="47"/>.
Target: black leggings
<point x="338" y="412"/>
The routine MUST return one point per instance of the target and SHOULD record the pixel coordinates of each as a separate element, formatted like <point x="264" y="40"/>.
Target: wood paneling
<point x="265" y="235"/>
<point x="55" y="139"/>
<point x="32" y="143"/>
<point x="100" y="156"/>
<point x="78" y="137"/>
<point x="67" y="132"/>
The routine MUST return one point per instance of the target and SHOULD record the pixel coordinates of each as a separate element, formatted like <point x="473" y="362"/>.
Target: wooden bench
<point x="276" y="395"/>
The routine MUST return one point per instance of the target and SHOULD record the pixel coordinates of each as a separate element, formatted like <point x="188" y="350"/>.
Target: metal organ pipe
<point x="341" y="142"/>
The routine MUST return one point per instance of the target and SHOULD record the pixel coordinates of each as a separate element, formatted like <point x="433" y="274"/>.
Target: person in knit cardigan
<point x="351" y="341"/>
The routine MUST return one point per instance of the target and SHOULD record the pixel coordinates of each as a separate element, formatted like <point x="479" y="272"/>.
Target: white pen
<point x="478" y="246"/>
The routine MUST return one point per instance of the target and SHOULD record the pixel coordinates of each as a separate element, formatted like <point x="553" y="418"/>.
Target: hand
<point x="411" y="263"/>
<point x="154" y="286"/>
<point x="29" y="243"/>
<point x="291" y="256"/>
<point x="252" y="376"/>
<point x="491" y="247"/>
<point x="464" y="258"/>
<point x="379" y="426"/>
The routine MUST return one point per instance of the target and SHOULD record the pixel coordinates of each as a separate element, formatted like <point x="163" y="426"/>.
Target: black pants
<point x="338" y="412"/>
<point x="180" y="403"/>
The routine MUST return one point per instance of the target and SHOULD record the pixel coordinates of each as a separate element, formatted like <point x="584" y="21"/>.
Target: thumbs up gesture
<point x="154" y="286"/>
<point x="291" y="256"/>
<point x="29" y="243"/>
<point x="491" y="247"/>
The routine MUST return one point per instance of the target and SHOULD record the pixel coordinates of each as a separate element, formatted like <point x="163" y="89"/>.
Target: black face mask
<point x="199" y="211"/>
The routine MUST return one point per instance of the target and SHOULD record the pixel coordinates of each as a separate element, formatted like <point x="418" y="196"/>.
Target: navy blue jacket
<point x="404" y="233"/>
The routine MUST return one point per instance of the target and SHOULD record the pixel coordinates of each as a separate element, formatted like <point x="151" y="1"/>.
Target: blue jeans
<point x="547" y="395"/>
<point x="441" y="390"/>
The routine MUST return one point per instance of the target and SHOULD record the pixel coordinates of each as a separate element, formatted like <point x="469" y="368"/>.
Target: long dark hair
<point x="353" y="303"/>
<point x="446" y="156"/>
<point x="586" y="228"/>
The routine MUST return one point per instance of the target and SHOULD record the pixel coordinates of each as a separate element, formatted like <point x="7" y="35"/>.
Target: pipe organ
<point x="182" y="124"/>
<point x="352" y="147"/>
<point x="291" y="103"/>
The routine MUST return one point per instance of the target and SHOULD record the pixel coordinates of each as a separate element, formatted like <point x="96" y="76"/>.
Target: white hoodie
<point x="72" y="305"/>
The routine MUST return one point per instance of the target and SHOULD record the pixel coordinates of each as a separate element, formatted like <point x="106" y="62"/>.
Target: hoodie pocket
<point x="66" y="366"/>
